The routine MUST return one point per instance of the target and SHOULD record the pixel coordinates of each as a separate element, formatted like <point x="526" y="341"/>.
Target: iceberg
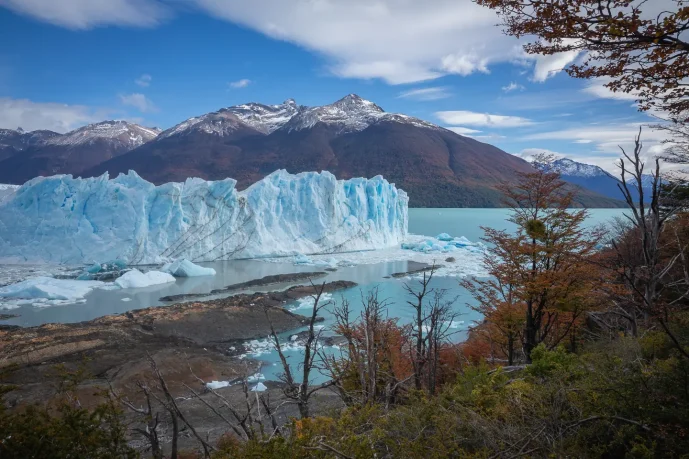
<point x="444" y="237"/>
<point x="137" y="279"/>
<point x="47" y="291"/>
<point x="68" y="220"/>
<point x="185" y="268"/>
<point x="260" y="387"/>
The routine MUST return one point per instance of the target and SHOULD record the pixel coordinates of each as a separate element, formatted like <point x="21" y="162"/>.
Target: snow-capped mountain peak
<point x="220" y="123"/>
<point x="355" y="104"/>
<point x="566" y="166"/>
<point x="349" y="114"/>
<point x="265" y="118"/>
<point x="21" y="139"/>
<point x="127" y="133"/>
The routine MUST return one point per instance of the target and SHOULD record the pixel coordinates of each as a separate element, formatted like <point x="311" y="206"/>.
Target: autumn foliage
<point x="541" y="276"/>
<point x="637" y="47"/>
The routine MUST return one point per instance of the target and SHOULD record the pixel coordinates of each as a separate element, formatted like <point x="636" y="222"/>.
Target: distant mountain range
<point x="351" y="137"/>
<point x="592" y="177"/>
<point x="25" y="155"/>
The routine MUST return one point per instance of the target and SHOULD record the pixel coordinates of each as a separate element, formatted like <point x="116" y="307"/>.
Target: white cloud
<point x="549" y="66"/>
<point x="583" y="141"/>
<point x="462" y="130"/>
<point x="596" y="88"/>
<point x="243" y="83"/>
<point x="87" y="14"/>
<point x="468" y="118"/>
<point x="399" y="41"/>
<point x="513" y="87"/>
<point x="435" y="93"/>
<point x="31" y="115"/>
<point x="144" y="80"/>
<point x="139" y="101"/>
<point x="464" y="64"/>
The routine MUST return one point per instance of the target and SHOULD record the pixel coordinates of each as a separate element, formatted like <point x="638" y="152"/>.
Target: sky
<point x="66" y="63"/>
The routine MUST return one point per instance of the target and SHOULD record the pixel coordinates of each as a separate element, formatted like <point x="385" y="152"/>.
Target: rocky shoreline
<point x="185" y="339"/>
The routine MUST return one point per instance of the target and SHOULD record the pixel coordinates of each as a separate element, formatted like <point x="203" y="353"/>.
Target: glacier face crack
<point x="130" y="219"/>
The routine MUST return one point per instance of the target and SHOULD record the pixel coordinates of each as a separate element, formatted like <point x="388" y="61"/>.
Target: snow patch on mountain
<point x="265" y="118"/>
<point x="566" y="166"/>
<point x="129" y="134"/>
<point x="20" y="139"/>
<point x="219" y="123"/>
<point x="349" y="114"/>
<point x="72" y="220"/>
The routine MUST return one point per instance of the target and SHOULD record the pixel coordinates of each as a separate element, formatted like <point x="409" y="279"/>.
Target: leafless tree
<point x="431" y="328"/>
<point x="301" y="391"/>
<point x="650" y="274"/>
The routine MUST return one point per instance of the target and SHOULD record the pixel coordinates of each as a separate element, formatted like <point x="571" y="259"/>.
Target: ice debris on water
<point x="104" y="271"/>
<point x="46" y="291"/>
<point x="444" y="243"/>
<point x="85" y="220"/>
<point x="185" y="268"/>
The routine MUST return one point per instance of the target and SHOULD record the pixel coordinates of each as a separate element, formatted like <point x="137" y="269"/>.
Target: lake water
<point x="427" y="222"/>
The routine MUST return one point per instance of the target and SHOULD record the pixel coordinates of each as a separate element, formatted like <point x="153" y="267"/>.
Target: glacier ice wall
<point x="73" y="220"/>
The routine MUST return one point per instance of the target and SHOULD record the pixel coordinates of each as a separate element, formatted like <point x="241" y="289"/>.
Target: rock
<point x="450" y="259"/>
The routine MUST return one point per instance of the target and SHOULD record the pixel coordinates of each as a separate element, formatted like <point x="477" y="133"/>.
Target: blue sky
<point x="158" y="62"/>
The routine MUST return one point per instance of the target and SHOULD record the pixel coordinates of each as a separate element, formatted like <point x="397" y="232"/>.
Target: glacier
<point x="61" y="219"/>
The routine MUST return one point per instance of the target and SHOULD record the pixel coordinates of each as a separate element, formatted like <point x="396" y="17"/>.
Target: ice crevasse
<point x="73" y="220"/>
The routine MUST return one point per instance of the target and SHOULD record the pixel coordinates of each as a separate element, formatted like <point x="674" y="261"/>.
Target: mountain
<point x="49" y="153"/>
<point x="585" y="175"/>
<point x="594" y="178"/>
<point x="13" y="141"/>
<point x="351" y="137"/>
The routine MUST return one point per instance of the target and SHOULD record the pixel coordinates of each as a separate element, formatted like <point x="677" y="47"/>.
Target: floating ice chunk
<point x="137" y="279"/>
<point x="126" y="299"/>
<point x="463" y="240"/>
<point x="256" y="377"/>
<point x="47" y="291"/>
<point x="217" y="384"/>
<point x="260" y="387"/>
<point x="301" y="259"/>
<point x="444" y="237"/>
<point x="308" y="302"/>
<point x="105" y="271"/>
<point x="185" y="268"/>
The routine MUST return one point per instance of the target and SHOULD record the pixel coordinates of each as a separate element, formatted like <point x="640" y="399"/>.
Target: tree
<point x="430" y="329"/>
<point x="639" y="47"/>
<point x="542" y="270"/>
<point x="655" y="271"/>
<point x="376" y="364"/>
<point x="300" y="391"/>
